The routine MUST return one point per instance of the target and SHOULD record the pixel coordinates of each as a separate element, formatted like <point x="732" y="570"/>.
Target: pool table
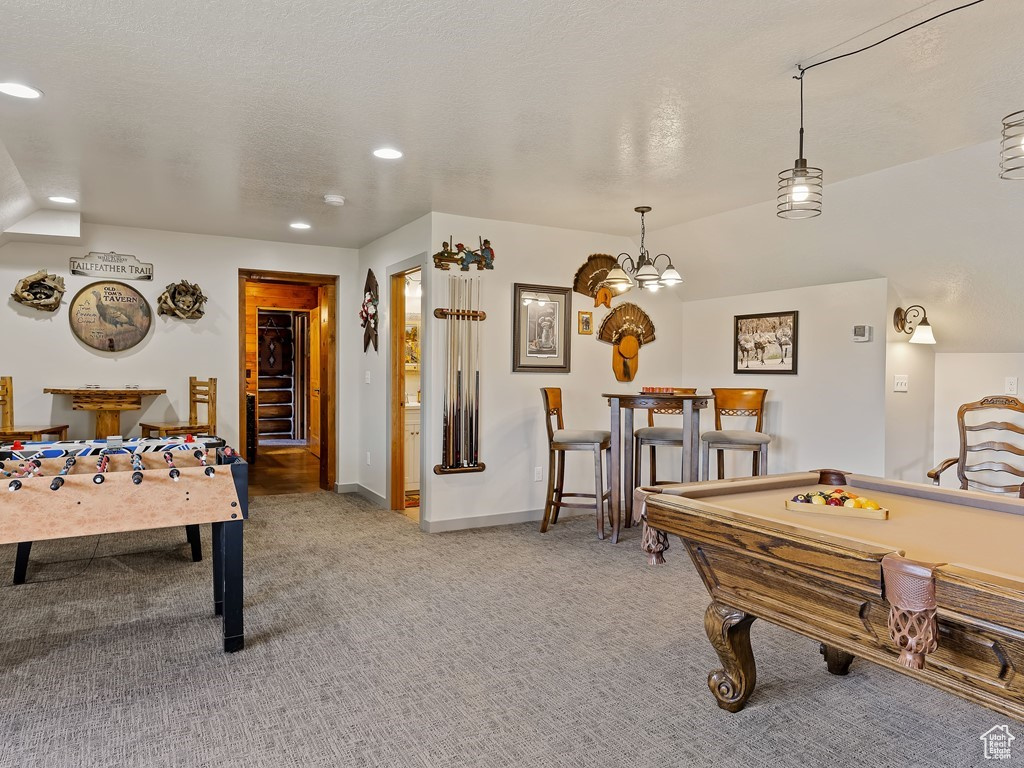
<point x="936" y="591"/>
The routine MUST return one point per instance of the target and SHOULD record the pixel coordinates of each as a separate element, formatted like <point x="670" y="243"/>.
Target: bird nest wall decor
<point x="590" y="279"/>
<point x="483" y="256"/>
<point x="110" y="316"/>
<point x="368" y="314"/>
<point x="40" y="290"/>
<point x="626" y="328"/>
<point x="184" y="300"/>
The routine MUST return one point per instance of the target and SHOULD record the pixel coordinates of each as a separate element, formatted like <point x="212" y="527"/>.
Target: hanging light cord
<point x="803" y="69"/>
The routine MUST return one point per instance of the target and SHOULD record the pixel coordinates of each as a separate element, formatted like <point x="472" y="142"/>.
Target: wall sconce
<point x="914" y="320"/>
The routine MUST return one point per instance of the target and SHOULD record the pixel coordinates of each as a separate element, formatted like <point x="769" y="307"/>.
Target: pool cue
<point x="458" y="374"/>
<point x="447" y="377"/>
<point x="476" y="374"/>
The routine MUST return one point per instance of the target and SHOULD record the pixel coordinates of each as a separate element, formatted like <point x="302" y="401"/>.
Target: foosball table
<point x="64" y="489"/>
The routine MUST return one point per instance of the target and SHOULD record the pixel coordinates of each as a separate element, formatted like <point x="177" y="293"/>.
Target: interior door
<point x="314" y="382"/>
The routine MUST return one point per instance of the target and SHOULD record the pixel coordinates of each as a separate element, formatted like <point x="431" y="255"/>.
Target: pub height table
<point x="106" y="402"/>
<point x="689" y="406"/>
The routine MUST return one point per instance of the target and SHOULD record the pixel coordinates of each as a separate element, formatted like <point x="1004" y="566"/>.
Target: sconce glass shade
<point x="671" y="276"/>
<point x="648" y="273"/>
<point x="617" y="277"/>
<point x="1011" y="150"/>
<point x="799" y="192"/>
<point x="923" y="334"/>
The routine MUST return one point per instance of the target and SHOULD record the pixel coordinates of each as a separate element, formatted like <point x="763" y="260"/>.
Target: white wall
<point x="410" y="241"/>
<point x="964" y="378"/>
<point x="832" y="412"/>
<point x="513" y="438"/>
<point x="40" y="350"/>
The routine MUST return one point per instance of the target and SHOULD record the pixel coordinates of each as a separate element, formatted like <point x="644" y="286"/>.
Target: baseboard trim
<point x="370" y="496"/>
<point x="487" y="521"/>
<point x="346" y="487"/>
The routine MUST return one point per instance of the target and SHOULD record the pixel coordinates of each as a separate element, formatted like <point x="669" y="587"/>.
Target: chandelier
<point x="644" y="270"/>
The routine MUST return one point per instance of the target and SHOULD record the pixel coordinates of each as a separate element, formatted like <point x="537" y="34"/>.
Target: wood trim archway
<point x="327" y="293"/>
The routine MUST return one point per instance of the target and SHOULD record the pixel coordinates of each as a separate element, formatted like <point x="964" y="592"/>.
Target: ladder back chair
<point x="8" y="430"/>
<point x="991" y="446"/>
<point x="743" y="403"/>
<point x="561" y="440"/>
<point x="199" y="393"/>
<point x="654" y="436"/>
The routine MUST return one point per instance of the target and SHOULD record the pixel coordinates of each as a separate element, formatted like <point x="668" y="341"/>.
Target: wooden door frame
<point x="395" y="381"/>
<point x="327" y="294"/>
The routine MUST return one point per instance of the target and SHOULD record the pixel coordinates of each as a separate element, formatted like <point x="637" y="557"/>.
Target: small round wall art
<point x="110" y="316"/>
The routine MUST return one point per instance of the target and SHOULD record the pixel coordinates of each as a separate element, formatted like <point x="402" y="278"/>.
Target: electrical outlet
<point x="537" y="475"/>
<point x="367" y="458"/>
<point x="367" y="377"/>
<point x="1010" y="387"/>
<point x="901" y="383"/>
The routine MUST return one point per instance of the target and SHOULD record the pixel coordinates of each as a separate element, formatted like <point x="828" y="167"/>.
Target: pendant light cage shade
<point x="799" y="192"/>
<point x="1011" y="151"/>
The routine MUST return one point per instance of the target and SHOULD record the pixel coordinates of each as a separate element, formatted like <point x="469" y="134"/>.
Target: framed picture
<point x="540" y="328"/>
<point x="412" y="345"/>
<point x="765" y="343"/>
<point x="585" y="323"/>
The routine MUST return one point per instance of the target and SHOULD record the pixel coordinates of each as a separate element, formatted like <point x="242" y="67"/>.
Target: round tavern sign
<point x="110" y="316"/>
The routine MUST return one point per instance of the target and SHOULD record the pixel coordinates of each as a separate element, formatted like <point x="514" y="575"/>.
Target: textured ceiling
<point x="235" y="117"/>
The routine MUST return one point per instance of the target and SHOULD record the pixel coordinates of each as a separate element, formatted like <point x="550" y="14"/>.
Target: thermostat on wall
<point x="862" y="333"/>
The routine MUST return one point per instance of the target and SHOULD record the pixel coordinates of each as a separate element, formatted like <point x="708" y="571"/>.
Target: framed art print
<point x="765" y="343"/>
<point x="540" y="328"/>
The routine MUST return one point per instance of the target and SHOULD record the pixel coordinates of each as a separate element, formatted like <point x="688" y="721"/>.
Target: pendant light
<point x="800" y="186"/>
<point x="643" y="271"/>
<point x="1011" y="151"/>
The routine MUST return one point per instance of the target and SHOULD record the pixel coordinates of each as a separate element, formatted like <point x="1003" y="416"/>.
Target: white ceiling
<point x="235" y="117"/>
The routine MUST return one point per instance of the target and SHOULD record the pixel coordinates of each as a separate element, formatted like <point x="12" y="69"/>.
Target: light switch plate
<point x="901" y="383"/>
<point x="367" y="377"/>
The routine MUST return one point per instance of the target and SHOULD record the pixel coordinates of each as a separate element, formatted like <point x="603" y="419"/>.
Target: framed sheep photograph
<point x="765" y="343"/>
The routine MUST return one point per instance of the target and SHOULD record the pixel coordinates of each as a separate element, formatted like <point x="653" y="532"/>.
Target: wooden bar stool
<point x="561" y="440"/>
<point x="10" y="432"/>
<point x="199" y="393"/>
<point x="736" y="402"/>
<point x="654" y="436"/>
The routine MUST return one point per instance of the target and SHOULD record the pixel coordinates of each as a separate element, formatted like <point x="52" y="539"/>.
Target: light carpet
<point x="370" y="643"/>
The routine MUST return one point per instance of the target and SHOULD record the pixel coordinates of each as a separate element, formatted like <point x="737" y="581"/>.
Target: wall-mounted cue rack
<point x="461" y="418"/>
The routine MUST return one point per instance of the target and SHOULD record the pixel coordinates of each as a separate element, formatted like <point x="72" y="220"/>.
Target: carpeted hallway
<point x="372" y="644"/>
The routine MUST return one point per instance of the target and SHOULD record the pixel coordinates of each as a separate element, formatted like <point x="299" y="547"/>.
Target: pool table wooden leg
<point x="837" y="661"/>
<point x="728" y="630"/>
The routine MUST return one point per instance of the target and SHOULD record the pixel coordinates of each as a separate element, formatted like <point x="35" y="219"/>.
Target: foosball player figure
<point x="101" y="467"/>
<point x="174" y="473"/>
<point x="201" y="455"/>
<point x="137" y="468"/>
<point x="58" y="481"/>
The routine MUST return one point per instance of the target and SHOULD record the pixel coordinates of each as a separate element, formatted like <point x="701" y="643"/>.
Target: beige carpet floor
<point x="370" y="643"/>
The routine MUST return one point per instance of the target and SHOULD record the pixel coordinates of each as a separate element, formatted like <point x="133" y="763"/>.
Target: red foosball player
<point x="175" y="473"/>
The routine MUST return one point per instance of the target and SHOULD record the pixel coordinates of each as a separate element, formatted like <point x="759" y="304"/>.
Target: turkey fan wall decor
<point x="626" y="328"/>
<point x="109" y="316"/>
<point x="590" y="279"/>
<point x="368" y="311"/>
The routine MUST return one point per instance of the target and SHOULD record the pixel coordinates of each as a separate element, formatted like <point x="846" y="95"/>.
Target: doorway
<point x="286" y="380"/>
<point x="406" y="294"/>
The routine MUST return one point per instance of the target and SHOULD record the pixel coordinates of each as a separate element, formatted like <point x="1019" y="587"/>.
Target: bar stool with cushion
<point x="199" y="393"/>
<point x="8" y="431"/>
<point x="561" y="440"/>
<point x="654" y="436"/>
<point x="743" y="403"/>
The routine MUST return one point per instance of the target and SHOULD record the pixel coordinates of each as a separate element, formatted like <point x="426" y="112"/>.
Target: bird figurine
<point x="590" y="279"/>
<point x="626" y="328"/>
<point x="112" y="315"/>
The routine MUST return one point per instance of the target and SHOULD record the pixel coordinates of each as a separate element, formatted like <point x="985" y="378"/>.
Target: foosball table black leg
<point x="195" y="541"/>
<point x="21" y="561"/>
<point x="231" y="567"/>
<point x="218" y="568"/>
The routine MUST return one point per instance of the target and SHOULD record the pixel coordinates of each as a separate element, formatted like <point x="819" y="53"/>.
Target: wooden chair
<point x="736" y="402"/>
<point x="10" y="432"/>
<point x="561" y="440"/>
<point x="199" y="392"/>
<point x="991" y="446"/>
<point x="654" y="436"/>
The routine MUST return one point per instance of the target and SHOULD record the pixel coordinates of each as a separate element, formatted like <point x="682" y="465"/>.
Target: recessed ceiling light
<point x="61" y="199"/>
<point x="387" y="153"/>
<point x="335" y="200"/>
<point x="300" y="225"/>
<point x="20" y="91"/>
